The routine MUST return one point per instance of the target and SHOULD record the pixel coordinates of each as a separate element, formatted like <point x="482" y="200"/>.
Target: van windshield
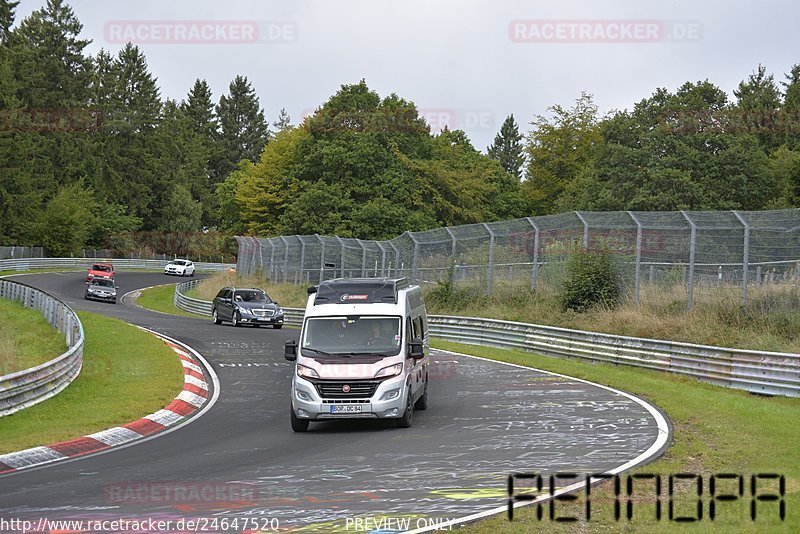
<point x="353" y="335"/>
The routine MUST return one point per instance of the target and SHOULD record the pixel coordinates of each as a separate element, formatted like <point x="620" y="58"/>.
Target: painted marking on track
<point x="659" y="443"/>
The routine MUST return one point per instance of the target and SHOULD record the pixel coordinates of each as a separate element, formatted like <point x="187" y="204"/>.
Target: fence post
<point x="272" y="260"/>
<point x="490" y="266"/>
<point x="299" y="277"/>
<point x="415" y="260"/>
<point x="585" y="231"/>
<point x="638" y="271"/>
<point x="321" y="258"/>
<point x="535" y="269"/>
<point x="285" y="258"/>
<point x="363" y="258"/>
<point x="396" y="259"/>
<point x="383" y="258"/>
<point x="745" y="256"/>
<point x="692" y="250"/>
<point x="341" y="256"/>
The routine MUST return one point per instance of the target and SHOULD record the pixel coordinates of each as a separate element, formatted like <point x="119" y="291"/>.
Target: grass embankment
<point x="26" y="338"/>
<point x="127" y="374"/>
<point x="160" y="298"/>
<point x="716" y="430"/>
<point x="287" y="295"/>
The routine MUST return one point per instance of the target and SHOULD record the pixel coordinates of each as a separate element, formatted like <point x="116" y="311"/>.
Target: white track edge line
<point x="655" y="447"/>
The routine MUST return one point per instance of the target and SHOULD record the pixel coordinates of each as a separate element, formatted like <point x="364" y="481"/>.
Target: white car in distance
<point x="180" y="268"/>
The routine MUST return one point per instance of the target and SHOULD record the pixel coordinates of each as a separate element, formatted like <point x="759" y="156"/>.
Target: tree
<point x="199" y="109"/>
<point x="559" y="149"/>
<point x="49" y="64"/>
<point x="66" y="222"/>
<point x="264" y="190"/>
<point x="284" y="122"/>
<point x="508" y="149"/>
<point x="672" y="153"/>
<point x="759" y="91"/>
<point x="7" y="12"/>
<point x="244" y="131"/>
<point x="181" y="213"/>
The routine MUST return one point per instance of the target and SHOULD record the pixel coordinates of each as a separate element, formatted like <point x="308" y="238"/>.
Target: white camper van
<point x="363" y="353"/>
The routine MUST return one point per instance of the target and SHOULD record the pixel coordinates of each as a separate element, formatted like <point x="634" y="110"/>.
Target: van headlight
<point x="392" y="370"/>
<point x="306" y="372"/>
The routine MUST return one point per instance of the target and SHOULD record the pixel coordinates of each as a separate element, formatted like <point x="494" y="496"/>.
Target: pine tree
<point x="508" y="148"/>
<point x="244" y="130"/>
<point x="49" y="63"/>
<point x="199" y="109"/>
<point x="284" y="121"/>
<point x="135" y="96"/>
<point x="791" y="99"/>
<point x="7" y="13"/>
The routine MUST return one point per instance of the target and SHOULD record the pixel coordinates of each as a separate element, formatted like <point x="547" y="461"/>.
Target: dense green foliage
<point x="591" y="281"/>
<point x="91" y="155"/>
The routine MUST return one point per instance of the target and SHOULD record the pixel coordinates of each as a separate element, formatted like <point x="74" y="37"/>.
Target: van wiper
<point x="317" y="351"/>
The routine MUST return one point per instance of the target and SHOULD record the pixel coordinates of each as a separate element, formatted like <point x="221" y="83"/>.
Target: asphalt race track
<point x="485" y="420"/>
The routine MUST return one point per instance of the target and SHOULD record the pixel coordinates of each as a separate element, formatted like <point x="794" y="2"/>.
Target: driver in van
<point x="376" y="334"/>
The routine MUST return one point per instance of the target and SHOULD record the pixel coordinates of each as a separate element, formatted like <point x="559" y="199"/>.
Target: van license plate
<point x="345" y="408"/>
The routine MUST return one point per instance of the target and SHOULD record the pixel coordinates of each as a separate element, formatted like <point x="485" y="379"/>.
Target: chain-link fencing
<point x="685" y="255"/>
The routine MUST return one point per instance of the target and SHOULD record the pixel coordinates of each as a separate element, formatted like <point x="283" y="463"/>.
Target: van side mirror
<point x="416" y="349"/>
<point x="290" y="350"/>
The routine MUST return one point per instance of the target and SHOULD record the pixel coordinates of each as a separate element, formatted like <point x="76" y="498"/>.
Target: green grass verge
<point x="127" y="373"/>
<point x="716" y="430"/>
<point x="26" y="338"/>
<point x="160" y="299"/>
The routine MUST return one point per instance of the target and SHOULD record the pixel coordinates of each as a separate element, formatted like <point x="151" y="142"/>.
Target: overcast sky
<point x="463" y="62"/>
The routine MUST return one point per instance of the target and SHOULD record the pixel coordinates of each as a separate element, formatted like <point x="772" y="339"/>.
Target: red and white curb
<point x="195" y="398"/>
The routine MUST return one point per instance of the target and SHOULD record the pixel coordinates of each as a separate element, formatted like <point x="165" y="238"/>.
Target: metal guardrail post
<point x="535" y="267"/>
<point x="638" y="268"/>
<point x="692" y="251"/>
<point x="745" y="256"/>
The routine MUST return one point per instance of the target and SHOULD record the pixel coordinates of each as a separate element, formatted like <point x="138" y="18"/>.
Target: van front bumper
<point x="307" y="403"/>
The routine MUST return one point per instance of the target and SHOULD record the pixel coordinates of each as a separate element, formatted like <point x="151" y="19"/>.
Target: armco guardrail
<point x="22" y="389"/>
<point x="26" y="264"/>
<point x="771" y="373"/>
<point x="291" y="316"/>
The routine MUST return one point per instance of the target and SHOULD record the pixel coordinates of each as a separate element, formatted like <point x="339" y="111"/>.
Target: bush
<point x="591" y="281"/>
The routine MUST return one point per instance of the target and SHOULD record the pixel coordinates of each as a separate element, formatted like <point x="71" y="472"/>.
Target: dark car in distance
<point x="246" y="306"/>
<point x="101" y="289"/>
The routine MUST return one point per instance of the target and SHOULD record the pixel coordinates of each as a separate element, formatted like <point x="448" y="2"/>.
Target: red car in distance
<point x="100" y="270"/>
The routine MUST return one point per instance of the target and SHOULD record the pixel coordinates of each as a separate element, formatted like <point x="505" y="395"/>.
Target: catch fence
<point x="682" y="253"/>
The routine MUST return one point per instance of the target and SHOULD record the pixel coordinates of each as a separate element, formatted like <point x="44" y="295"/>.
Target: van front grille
<point x="334" y="389"/>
